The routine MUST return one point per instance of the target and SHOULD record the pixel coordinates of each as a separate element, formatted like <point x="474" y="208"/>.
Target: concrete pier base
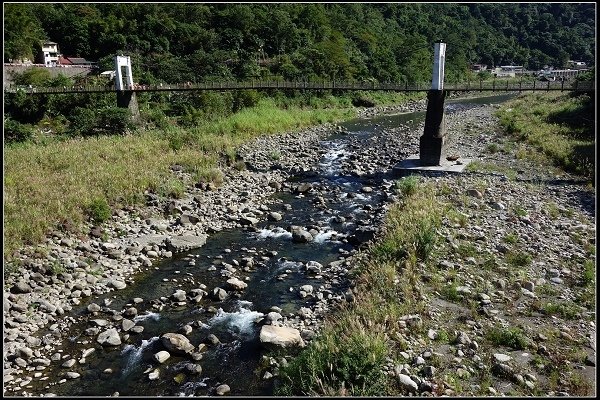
<point x="413" y="165"/>
<point x="432" y="143"/>
<point x="128" y="99"/>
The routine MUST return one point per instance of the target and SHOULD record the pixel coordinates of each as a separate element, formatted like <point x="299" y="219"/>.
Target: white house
<point x="50" y="54"/>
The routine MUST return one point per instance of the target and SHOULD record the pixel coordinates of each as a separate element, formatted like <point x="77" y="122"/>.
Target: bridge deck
<point x="495" y="86"/>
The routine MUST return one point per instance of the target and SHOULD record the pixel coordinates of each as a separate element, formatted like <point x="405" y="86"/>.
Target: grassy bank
<point x="351" y="351"/>
<point x="60" y="184"/>
<point x="559" y="125"/>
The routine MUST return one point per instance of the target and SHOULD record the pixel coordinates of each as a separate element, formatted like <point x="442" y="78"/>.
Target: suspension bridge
<point x="470" y="86"/>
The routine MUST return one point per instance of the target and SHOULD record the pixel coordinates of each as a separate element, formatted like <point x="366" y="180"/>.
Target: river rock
<point x="127" y="324"/>
<point x="25" y="353"/>
<point x="177" y="343"/>
<point x="72" y="375"/>
<point x="273" y="337"/>
<point x="162" y="356"/>
<point x="300" y="235"/>
<point x="247" y="220"/>
<point x="222" y="389"/>
<point x="219" y="294"/>
<point x="109" y="337"/>
<point x="275" y="216"/>
<point x="21" y="287"/>
<point x="117" y="284"/>
<point x="314" y="267"/>
<point x="236" y="284"/>
<point x="179" y="295"/>
<point x="178" y="244"/>
<point x="408" y="383"/>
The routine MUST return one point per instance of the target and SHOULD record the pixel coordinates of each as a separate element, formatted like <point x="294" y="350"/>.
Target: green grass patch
<point x="511" y="238"/>
<point x="589" y="273"/>
<point x="98" y="210"/>
<point x="338" y="363"/>
<point x="408" y="185"/>
<point x="560" y="126"/>
<point x="467" y="250"/>
<point x="518" y="258"/>
<point x="510" y="337"/>
<point x="567" y="309"/>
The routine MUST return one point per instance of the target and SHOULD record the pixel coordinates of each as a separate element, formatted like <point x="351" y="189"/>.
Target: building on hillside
<point x="110" y="75"/>
<point x="508" y="71"/>
<point x="80" y="61"/>
<point x="576" y="64"/>
<point x="49" y="54"/>
<point x="63" y="61"/>
<point x="478" y="67"/>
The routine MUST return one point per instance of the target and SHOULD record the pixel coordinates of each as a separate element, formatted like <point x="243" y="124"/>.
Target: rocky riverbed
<point x="548" y="216"/>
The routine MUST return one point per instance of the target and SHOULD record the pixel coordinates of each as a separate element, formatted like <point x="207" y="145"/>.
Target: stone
<point x="72" y="375"/>
<point x="408" y="383"/>
<point x="69" y="363"/>
<point x="272" y="337"/>
<point x="274" y="216"/>
<point x="212" y="339"/>
<point x="109" y="337"/>
<point x="177" y="343"/>
<point x="25" y="353"/>
<point x="178" y="244"/>
<point x="21" y="287"/>
<point x="247" y="220"/>
<point x="179" y="295"/>
<point x="154" y="375"/>
<point x="300" y="235"/>
<point x="219" y="294"/>
<point x="93" y="307"/>
<point x="474" y="193"/>
<point x="117" y="284"/>
<point x="502" y="357"/>
<point x="236" y="284"/>
<point x="127" y="324"/>
<point x="222" y="390"/>
<point x="162" y="356"/>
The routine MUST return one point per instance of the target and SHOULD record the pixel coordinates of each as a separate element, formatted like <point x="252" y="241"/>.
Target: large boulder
<point x="273" y="337"/>
<point x="300" y="235"/>
<point x="177" y="343"/>
<point x="178" y="244"/>
<point x="109" y="337"/>
<point x="236" y="284"/>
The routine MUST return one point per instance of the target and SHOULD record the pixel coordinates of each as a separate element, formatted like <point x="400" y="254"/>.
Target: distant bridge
<point x="493" y="86"/>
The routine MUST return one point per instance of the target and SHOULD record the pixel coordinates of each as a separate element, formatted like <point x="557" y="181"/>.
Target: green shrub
<point x="336" y="363"/>
<point x="98" y="210"/>
<point x="518" y="259"/>
<point x="34" y="76"/>
<point x="82" y="122"/>
<point x="16" y="132"/>
<point x="408" y="185"/>
<point x="510" y="337"/>
<point x="114" y="121"/>
<point x="245" y="99"/>
<point x="425" y="238"/>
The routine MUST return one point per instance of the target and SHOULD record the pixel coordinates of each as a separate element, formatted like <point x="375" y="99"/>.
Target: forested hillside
<point x="385" y="42"/>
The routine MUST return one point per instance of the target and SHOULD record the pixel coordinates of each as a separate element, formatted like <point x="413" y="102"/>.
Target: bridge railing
<point x="494" y="85"/>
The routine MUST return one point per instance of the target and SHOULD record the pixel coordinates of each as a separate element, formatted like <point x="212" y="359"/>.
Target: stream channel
<point x="274" y="279"/>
